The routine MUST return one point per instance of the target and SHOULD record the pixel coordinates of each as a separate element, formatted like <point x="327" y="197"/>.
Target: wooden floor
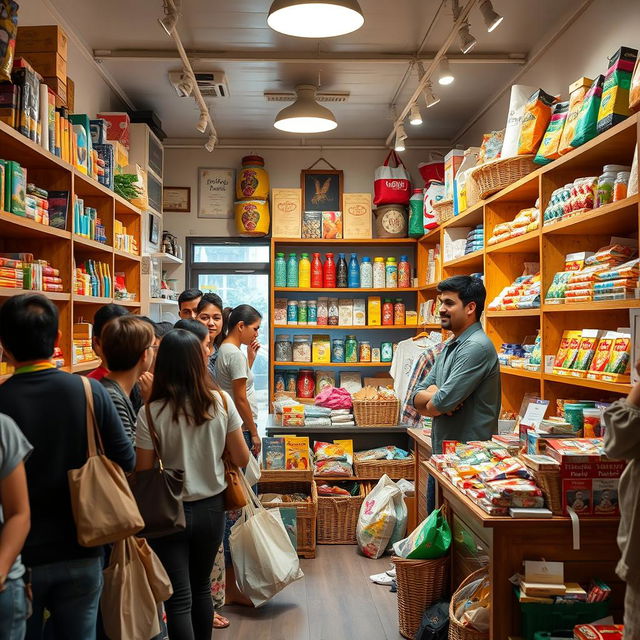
<point x="334" y="601"/>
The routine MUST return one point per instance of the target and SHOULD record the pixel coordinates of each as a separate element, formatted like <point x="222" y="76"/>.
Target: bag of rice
<point x="537" y="114"/>
<point x="614" y="107"/>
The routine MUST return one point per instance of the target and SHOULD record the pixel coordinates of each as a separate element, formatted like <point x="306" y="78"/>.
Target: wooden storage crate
<point x="395" y="469"/>
<point x="306" y="512"/>
<point x="337" y="518"/>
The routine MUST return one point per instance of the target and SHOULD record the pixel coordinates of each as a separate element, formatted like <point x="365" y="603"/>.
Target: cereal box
<point x="601" y="355"/>
<point x="586" y="351"/>
<point x="618" y="368"/>
<point x="567" y="351"/>
<point x="331" y="224"/>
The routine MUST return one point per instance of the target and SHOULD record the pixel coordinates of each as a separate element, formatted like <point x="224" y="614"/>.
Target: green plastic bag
<point x="430" y="540"/>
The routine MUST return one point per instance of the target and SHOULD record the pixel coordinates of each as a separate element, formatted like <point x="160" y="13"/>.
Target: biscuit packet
<point x="537" y="115"/>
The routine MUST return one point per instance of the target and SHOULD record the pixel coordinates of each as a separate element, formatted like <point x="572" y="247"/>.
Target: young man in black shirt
<point x="49" y="407"/>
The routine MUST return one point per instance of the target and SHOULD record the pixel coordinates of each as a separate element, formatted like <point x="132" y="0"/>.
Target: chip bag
<point x="586" y="126"/>
<point x="548" y="150"/>
<point x="537" y="114"/>
<point x="577" y="92"/>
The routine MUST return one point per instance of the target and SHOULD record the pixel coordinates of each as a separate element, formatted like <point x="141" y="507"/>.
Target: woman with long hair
<point x="210" y="313"/>
<point x="196" y="422"/>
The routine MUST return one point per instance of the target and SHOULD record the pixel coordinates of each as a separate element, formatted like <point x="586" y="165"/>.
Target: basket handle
<point x="467" y="581"/>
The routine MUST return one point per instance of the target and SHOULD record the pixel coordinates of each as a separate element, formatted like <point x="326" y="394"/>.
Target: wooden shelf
<point x="92" y="300"/>
<point x="351" y="327"/>
<point x="86" y="186"/>
<point x="127" y="303"/>
<point x="18" y="227"/>
<point x="87" y="243"/>
<point x="594" y="305"/>
<point x="343" y="241"/>
<point x="471" y="259"/>
<point x="395" y="290"/>
<point x="125" y="255"/>
<point x="525" y="189"/>
<point x="431" y="286"/>
<point x="515" y="313"/>
<point x="166" y="258"/>
<point x="339" y="365"/>
<point x="596" y="385"/>
<point x="29" y="154"/>
<point x="90" y="365"/>
<point x="526" y="243"/>
<point x="432" y="236"/>
<point x="8" y="292"/>
<point x="522" y="373"/>
<point x="470" y="217"/>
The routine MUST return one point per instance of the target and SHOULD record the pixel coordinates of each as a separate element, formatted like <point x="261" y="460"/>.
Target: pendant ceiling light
<point x="305" y="115"/>
<point x="315" y="18"/>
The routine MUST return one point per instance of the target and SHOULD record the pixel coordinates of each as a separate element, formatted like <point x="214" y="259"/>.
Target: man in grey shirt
<point x="462" y="391"/>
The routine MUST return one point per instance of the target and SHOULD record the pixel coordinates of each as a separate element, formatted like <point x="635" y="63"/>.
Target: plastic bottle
<point x="366" y="273"/>
<point x="387" y="312"/>
<point x="304" y="271"/>
<point x="342" y="272"/>
<point x="280" y="270"/>
<point x="391" y="271"/>
<point x="416" y="214"/>
<point x="329" y="272"/>
<point x="399" y="312"/>
<point x="292" y="270"/>
<point x="353" y="275"/>
<point x="606" y="180"/>
<point x="316" y="272"/>
<point x="404" y="273"/>
<point x="379" y="277"/>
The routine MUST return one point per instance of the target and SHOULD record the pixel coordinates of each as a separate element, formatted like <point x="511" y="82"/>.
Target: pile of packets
<point x="598" y="632"/>
<point x="523" y="293"/>
<point x="333" y="459"/>
<point x="526" y="220"/>
<point x="487" y="473"/>
<point x="522" y="356"/>
<point x="22" y="271"/>
<point x="609" y="274"/>
<point x="475" y="240"/>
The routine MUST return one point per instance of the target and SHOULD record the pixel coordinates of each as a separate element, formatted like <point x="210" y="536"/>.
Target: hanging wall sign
<point x="286" y="212"/>
<point x="216" y="192"/>
<point x="356" y="214"/>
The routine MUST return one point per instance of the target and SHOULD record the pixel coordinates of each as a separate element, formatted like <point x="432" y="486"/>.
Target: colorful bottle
<point x="329" y="272"/>
<point x="316" y="272"/>
<point x="304" y="271"/>
<point x="379" y="278"/>
<point x="342" y="272"/>
<point x="404" y="273"/>
<point x="399" y="312"/>
<point x="351" y="349"/>
<point x="354" y="272"/>
<point x="391" y="273"/>
<point x="416" y="214"/>
<point x="292" y="270"/>
<point x="387" y="312"/>
<point x="366" y="273"/>
<point x="280" y="270"/>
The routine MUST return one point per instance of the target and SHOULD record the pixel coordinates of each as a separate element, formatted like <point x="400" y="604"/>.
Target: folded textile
<point x="317" y="422"/>
<point x="313" y="411"/>
<point x="345" y="418"/>
<point x="334" y="398"/>
<point x="343" y="424"/>
<point x="340" y="412"/>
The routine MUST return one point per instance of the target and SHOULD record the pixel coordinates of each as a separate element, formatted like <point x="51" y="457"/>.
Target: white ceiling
<point x="397" y="26"/>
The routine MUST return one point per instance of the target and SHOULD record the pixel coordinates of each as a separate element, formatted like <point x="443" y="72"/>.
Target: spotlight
<point x="445" y="76"/>
<point x="430" y="98"/>
<point x="415" y="118"/>
<point x="202" y="123"/>
<point x="400" y="138"/>
<point x="467" y="41"/>
<point x="211" y="143"/>
<point x="491" y="18"/>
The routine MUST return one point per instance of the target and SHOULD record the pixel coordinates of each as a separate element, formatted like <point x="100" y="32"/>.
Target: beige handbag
<point x="158" y="578"/>
<point x="103" y="506"/>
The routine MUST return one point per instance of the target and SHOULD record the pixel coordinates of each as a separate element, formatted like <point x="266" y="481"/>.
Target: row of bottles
<point x="312" y="273"/>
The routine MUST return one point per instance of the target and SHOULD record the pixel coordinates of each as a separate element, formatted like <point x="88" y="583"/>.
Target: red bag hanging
<point x="392" y="185"/>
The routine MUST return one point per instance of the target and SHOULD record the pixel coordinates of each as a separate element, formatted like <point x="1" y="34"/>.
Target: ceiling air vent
<point x="290" y="96"/>
<point x="212" y="84"/>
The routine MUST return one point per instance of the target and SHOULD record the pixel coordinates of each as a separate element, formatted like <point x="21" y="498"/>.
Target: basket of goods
<point x="444" y="210"/>
<point x="391" y="461"/>
<point x="546" y="473"/>
<point x="469" y="608"/>
<point x="338" y="509"/>
<point x="375" y="407"/>
<point x="496" y="175"/>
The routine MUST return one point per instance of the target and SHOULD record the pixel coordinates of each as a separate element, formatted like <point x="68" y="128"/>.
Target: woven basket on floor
<point x="496" y="175"/>
<point x="395" y="469"/>
<point x="420" y="584"/>
<point x="444" y="210"/>
<point x="457" y="631"/>
<point x="376" y="413"/>
<point x="338" y="517"/>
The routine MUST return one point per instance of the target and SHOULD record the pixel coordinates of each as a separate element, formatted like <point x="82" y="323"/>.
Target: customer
<point x="195" y="425"/>
<point x="14" y="527"/>
<point x="188" y="303"/>
<point x="100" y="319"/>
<point x="49" y="406"/>
<point x="210" y="314"/>
<point x="142" y="389"/>
<point x="200" y="332"/>
<point x="129" y="350"/>
<point x="622" y="442"/>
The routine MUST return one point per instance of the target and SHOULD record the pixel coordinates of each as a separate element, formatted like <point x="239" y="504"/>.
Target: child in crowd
<point x="100" y="319"/>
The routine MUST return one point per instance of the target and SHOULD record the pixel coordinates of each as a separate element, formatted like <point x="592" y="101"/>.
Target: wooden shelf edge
<point x="37" y="227"/>
<point x="351" y="327"/>
<point x="522" y="373"/>
<point x="166" y="258"/>
<point x="596" y="385"/>
<point x="84" y="366"/>
<point x="127" y="303"/>
<point x="594" y="305"/>
<point x="91" y="244"/>
<point x="470" y="258"/>
<point x="396" y="290"/>
<point x="514" y="243"/>
<point x="92" y="299"/>
<point x="464" y="215"/>
<point x="8" y="292"/>
<point x="508" y="313"/>
<point x="118" y="253"/>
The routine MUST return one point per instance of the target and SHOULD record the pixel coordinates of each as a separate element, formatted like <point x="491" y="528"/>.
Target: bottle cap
<point x="387" y="300"/>
<point x="378" y="259"/>
<point x="341" y="256"/>
<point x="398" y="299"/>
<point x="366" y="259"/>
<point x="304" y="255"/>
<point x="391" y="259"/>
<point x="292" y="255"/>
<point x="329" y="255"/>
<point x="279" y="255"/>
<point x="354" y="255"/>
<point x="404" y="259"/>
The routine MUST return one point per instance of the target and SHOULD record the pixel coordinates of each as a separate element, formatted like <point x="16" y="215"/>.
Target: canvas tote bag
<point x="103" y="506"/>
<point x="392" y="185"/>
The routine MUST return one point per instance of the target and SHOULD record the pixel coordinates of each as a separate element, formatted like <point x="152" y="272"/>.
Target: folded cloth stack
<point x="342" y="418"/>
<point x="315" y="416"/>
<point x="475" y="239"/>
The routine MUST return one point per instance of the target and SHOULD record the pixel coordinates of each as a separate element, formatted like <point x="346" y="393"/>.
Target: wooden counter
<point x="422" y="450"/>
<point x="504" y="543"/>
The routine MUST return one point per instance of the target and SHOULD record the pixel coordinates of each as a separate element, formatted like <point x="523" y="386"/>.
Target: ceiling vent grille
<point x="290" y="96"/>
<point x="212" y="84"/>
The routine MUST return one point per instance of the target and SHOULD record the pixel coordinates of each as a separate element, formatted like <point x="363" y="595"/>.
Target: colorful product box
<point x="452" y="162"/>
<point x="331" y="224"/>
<point x="118" y="127"/>
<point x="375" y="311"/>
<point x="359" y="312"/>
<point x="98" y="131"/>
<point x="321" y="349"/>
<point x="106" y="154"/>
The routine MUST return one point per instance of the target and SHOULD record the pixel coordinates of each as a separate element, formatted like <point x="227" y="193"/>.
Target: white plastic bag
<point x="264" y="559"/>
<point x="382" y="519"/>
<point x="519" y="95"/>
<point x="252" y="471"/>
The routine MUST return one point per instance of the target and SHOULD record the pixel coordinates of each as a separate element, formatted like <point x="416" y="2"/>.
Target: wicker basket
<point x="551" y="485"/>
<point x="395" y="469"/>
<point x="337" y="518"/>
<point x="420" y="584"/>
<point x="457" y="631"/>
<point x="306" y="512"/>
<point x="376" y="413"/>
<point x="473" y="191"/>
<point x="444" y="210"/>
<point x="498" y="174"/>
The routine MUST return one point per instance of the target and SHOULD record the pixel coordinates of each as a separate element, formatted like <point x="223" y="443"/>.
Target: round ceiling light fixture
<point x="445" y="76"/>
<point x="315" y="18"/>
<point x="305" y="115"/>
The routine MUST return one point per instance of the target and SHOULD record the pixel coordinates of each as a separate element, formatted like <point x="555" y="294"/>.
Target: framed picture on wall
<point x="154" y="229"/>
<point x="216" y="192"/>
<point x="321" y="189"/>
<point x="176" y="199"/>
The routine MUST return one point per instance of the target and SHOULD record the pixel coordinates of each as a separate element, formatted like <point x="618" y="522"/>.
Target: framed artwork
<point x="321" y="189"/>
<point x="176" y="199"/>
<point x="154" y="229"/>
<point x="216" y="192"/>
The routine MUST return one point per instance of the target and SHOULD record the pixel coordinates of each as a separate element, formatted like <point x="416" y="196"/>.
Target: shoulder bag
<point x="158" y="492"/>
<point x="234" y="495"/>
<point x="103" y="507"/>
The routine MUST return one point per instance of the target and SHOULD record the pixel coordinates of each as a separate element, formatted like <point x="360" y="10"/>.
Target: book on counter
<point x="541" y="462"/>
<point x="273" y="453"/>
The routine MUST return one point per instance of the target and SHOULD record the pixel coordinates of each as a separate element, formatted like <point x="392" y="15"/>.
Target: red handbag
<point x="392" y="185"/>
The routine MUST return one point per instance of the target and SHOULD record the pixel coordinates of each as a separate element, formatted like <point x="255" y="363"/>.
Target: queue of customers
<point x="194" y="383"/>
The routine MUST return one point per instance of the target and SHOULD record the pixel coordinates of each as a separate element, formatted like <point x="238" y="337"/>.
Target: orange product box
<point x="48" y="64"/>
<point x="42" y="38"/>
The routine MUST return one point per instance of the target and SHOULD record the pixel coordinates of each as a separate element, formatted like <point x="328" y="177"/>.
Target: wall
<point x="582" y="50"/>
<point x="284" y="166"/>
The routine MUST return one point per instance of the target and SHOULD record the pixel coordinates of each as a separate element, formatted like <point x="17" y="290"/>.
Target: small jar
<point x="620" y="185"/>
<point x="334" y="314"/>
<point x="292" y="312"/>
<point x="301" y="348"/>
<point x="379" y="276"/>
<point x="365" y="351"/>
<point x="386" y="352"/>
<point x="351" y="349"/>
<point x="337" y="350"/>
<point x="387" y="312"/>
<point x="399" y="312"/>
<point x="302" y="312"/>
<point x="312" y="312"/>
<point x="290" y="381"/>
<point x="283" y="348"/>
<point x="375" y="354"/>
<point x="323" y="311"/>
<point x="306" y="384"/>
<point x="279" y="382"/>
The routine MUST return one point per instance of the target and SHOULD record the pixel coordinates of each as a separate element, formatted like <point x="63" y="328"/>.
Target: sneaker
<point x="391" y="572"/>
<point x="381" y="578"/>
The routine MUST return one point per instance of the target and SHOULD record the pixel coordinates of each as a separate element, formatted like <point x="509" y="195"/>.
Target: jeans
<point x="70" y="591"/>
<point x="13" y="610"/>
<point x="431" y="494"/>
<point x="188" y="558"/>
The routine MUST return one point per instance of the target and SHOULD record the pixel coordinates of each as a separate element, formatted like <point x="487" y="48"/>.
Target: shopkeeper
<point x="462" y="391"/>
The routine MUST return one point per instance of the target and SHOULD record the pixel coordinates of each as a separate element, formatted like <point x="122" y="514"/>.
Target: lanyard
<point x="38" y="366"/>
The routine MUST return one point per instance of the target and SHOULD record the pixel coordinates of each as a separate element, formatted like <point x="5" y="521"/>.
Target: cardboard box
<point x="121" y="155"/>
<point x="357" y="216"/>
<point x="71" y="94"/>
<point x="59" y="89"/>
<point x="374" y="311"/>
<point x="286" y="213"/>
<point x="48" y="65"/>
<point x="118" y="125"/>
<point x="42" y="38"/>
<point x="321" y="349"/>
<point x="359" y="312"/>
<point x="452" y="162"/>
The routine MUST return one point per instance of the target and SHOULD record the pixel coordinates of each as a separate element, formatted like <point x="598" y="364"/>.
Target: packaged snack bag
<point x="577" y="92"/>
<point x="491" y="146"/>
<point x="586" y="126"/>
<point x="537" y="115"/>
<point x="548" y="150"/>
<point x="634" y="92"/>
<point x="567" y="350"/>
<point x="614" y="107"/>
<point x="517" y="103"/>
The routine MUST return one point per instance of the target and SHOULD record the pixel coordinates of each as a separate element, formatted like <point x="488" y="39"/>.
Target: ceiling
<point x="238" y="28"/>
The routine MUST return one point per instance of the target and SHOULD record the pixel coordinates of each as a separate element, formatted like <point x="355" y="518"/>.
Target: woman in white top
<point x="195" y="422"/>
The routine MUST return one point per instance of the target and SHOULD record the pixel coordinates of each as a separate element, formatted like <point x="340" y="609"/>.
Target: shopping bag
<point x="158" y="578"/>
<point x="392" y="185"/>
<point x="431" y="539"/>
<point x="252" y="471"/>
<point x="264" y="559"/>
<point x="128" y="605"/>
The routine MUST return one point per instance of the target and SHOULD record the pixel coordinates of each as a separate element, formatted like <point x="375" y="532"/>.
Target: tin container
<point x="386" y="352"/>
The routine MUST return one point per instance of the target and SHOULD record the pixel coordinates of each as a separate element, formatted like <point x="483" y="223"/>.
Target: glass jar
<point x="337" y="350"/>
<point x="279" y="382"/>
<point x="386" y="352"/>
<point x="283" y="348"/>
<point x="292" y="312"/>
<point x="366" y="273"/>
<point x="292" y="270"/>
<point x="301" y="348"/>
<point x="323" y="311"/>
<point x="379" y="277"/>
<point x="290" y="381"/>
<point x="365" y="351"/>
<point x="306" y="384"/>
<point x="620" y="186"/>
<point x="375" y="354"/>
<point x="312" y="312"/>
<point x="302" y="312"/>
<point x="399" y="312"/>
<point x="391" y="273"/>
<point x="351" y="349"/>
<point x="387" y="312"/>
<point x="280" y="270"/>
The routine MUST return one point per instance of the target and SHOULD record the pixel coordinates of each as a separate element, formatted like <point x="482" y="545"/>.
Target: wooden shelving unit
<point x="62" y="247"/>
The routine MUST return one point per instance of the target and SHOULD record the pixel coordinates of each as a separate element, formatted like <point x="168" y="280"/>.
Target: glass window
<point x="234" y="253"/>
